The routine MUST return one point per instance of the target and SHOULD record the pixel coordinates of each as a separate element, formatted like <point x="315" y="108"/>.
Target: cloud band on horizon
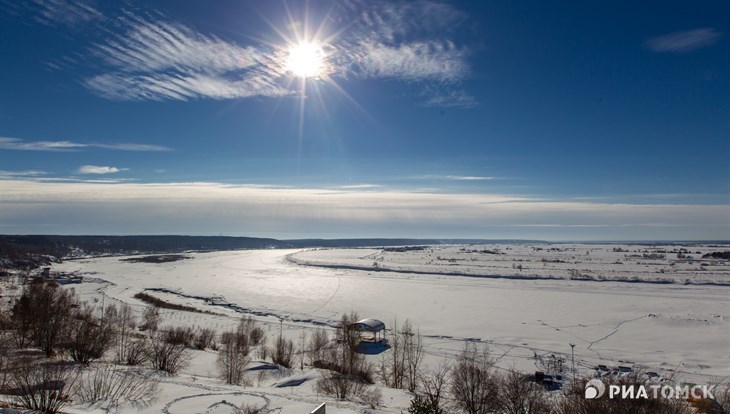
<point x="18" y="144"/>
<point x="210" y="208"/>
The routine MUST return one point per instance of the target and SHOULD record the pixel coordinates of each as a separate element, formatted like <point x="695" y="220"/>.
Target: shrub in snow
<point x="316" y="345"/>
<point x="573" y="400"/>
<point x="105" y="384"/>
<point x="164" y="356"/>
<point x="41" y="385"/>
<point x="339" y="385"/>
<point x="88" y="337"/>
<point x="133" y="353"/>
<point x="125" y="324"/>
<point x="204" y="338"/>
<point x="41" y="315"/>
<point x="179" y="335"/>
<point x="151" y="319"/>
<point x="233" y="357"/>
<point x="432" y="396"/>
<point x="282" y="352"/>
<point x="251" y="409"/>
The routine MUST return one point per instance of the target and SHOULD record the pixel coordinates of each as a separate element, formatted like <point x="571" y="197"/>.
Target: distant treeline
<point x="160" y="258"/>
<point x="38" y="250"/>
<point x="717" y="255"/>
<point x="147" y="298"/>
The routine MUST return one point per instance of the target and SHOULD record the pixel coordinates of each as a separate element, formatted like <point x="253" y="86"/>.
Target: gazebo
<point x="372" y="336"/>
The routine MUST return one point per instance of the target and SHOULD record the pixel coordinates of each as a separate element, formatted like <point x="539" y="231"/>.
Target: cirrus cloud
<point x="18" y="144"/>
<point x="153" y="58"/>
<point x="683" y="42"/>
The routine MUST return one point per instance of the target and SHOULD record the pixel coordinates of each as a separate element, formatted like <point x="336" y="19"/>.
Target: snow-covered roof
<point x="369" y="324"/>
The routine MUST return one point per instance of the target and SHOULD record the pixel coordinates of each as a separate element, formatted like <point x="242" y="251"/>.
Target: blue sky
<point x="550" y="120"/>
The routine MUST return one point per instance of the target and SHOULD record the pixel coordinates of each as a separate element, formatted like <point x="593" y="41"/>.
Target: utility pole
<point x="572" y="353"/>
<point x="103" y="297"/>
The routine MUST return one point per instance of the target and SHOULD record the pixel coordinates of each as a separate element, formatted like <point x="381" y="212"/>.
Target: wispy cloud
<point x="452" y="177"/>
<point x="449" y="98"/>
<point x="358" y="186"/>
<point x="66" y="180"/>
<point x="405" y="40"/>
<point x="9" y="143"/>
<point x="22" y="173"/>
<point x="418" y="61"/>
<point x="157" y="60"/>
<point x="133" y="147"/>
<point x="56" y="146"/>
<point x="244" y="209"/>
<point x="59" y="12"/>
<point x="685" y="41"/>
<point x="99" y="169"/>
<point x="468" y="177"/>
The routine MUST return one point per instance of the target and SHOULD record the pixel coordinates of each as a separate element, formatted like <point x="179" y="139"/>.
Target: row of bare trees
<point x="400" y="367"/>
<point x="50" y="318"/>
<point x="474" y="385"/>
<point x="235" y="347"/>
<point x="47" y="317"/>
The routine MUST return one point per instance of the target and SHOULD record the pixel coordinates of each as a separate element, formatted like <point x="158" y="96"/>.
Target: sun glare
<point x="306" y="60"/>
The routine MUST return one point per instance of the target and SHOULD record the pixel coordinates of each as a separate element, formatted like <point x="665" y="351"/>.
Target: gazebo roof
<point x="370" y="325"/>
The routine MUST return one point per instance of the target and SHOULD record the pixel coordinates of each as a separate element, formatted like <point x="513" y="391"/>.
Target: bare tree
<point x="125" y="323"/>
<point x="5" y="346"/>
<point x="250" y="327"/>
<point x="318" y="341"/>
<point x="340" y="385"/>
<point x="393" y="363"/>
<point x="40" y="385"/>
<point x="247" y="408"/>
<point x="4" y="360"/>
<point x="165" y="356"/>
<point x="413" y="351"/>
<point x="105" y="384"/>
<point x="233" y="356"/>
<point x="151" y="319"/>
<point x="348" y="372"/>
<point x="42" y="313"/>
<point x="135" y="352"/>
<point x="204" y="338"/>
<point x="473" y="384"/>
<point x="371" y="396"/>
<point x="179" y="335"/>
<point x="574" y="401"/>
<point x="721" y="391"/>
<point x="283" y="352"/>
<point x="88" y="337"/>
<point x="399" y="367"/>
<point x="517" y="394"/>
<point x="433" y="389"/>
<point x="348" y="360"/>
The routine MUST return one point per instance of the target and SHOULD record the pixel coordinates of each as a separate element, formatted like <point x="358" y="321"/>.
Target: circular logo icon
<point x="594" y="389"/>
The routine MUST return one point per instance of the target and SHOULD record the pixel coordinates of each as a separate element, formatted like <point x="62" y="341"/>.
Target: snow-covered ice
<point x="670" y="326"/>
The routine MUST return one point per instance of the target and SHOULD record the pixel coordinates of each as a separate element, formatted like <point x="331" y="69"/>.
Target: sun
<point x="305" y="60"/>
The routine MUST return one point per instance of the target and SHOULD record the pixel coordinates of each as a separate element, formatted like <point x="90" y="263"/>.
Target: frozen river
<point x="661" y="327"/>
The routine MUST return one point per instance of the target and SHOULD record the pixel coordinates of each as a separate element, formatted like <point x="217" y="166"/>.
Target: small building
<point x="372" y="336"/>
<point x="539" y="376"/>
